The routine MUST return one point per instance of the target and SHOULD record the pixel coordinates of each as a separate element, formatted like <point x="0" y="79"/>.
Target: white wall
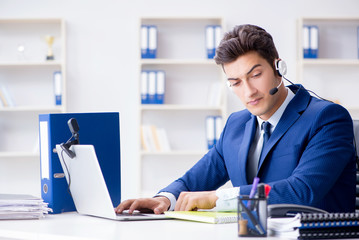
<point x="102" y="47"/>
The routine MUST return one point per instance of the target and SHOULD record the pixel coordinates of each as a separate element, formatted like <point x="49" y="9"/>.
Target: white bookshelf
<point x="28" y="77"/>
<point x="334" y="74"/>
<point x="181" y="53"/>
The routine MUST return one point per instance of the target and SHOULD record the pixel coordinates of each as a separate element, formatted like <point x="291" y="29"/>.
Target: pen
<point x="254" y="187"/>
<point x="267" y="189"/>
<point x="262" y="205"/>
<point x="253" y="191"/>
<point x="252" y="219"/>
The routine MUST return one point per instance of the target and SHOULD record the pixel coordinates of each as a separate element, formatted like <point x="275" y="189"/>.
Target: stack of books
<point x="18" y="206"/>
<point x="316" y="226"/>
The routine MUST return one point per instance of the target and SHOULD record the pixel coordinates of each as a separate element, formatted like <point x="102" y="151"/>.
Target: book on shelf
<point x="154" y="139"/>
<point x="213" y="130"/>
<point x="21" y="206"/>
<point x="204" y="216"/>
<point x="316" y="226"/>
<point x="213" y="37"/>
<point x="148" y="41"/>
<point x="152" y="87"/>
<point x="310" y="41"/>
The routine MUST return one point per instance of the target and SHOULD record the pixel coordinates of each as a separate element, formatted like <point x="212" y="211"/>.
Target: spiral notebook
<point x="316" y="226"/>
<point x="204" y="216"/>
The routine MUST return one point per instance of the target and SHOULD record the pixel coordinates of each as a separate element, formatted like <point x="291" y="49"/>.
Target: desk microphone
<point x="74" y="129"/>
<point x="275" y="90"/>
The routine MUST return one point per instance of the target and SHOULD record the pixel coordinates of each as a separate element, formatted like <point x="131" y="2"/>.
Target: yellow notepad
<point x="204" y="216"/>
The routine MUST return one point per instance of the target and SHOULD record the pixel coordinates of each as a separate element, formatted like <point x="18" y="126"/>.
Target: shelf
<point x="30" y="64"/>
<point x="322" y="61"/>
<point x="178" y="107"/>
<point x="19" y="154"/>
<point x="331" y="19"/>
<point x="31" y="20"/>
<point x="194" y="90"/>
<point x="31" y="109"/>
<point x="174" y="153"/>
<point x="177" y="61"/>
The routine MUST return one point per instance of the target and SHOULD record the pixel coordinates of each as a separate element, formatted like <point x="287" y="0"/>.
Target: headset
<point x="281" y="68"/>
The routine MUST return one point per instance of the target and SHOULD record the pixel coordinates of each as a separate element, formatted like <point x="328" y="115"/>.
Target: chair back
<point x="356" y="142"/>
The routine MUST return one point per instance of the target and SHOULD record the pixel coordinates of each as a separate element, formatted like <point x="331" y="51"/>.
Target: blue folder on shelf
<point x="99" y="129"/>
<point x="148" y="41"/>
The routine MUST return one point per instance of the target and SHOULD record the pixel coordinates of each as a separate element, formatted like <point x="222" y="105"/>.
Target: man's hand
<point x="188" y="201"/>
<point x="157" y="205"/>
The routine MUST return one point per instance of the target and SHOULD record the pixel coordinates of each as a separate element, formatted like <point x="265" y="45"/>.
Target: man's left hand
<point x="191" y="201"/>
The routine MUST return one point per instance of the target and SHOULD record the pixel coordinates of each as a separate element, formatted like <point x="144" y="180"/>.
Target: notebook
<point x="88" y="187"/>
<point x="204" y="216"/>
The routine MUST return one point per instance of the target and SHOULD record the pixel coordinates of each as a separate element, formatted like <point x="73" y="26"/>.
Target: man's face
<point x="251" y="78"/>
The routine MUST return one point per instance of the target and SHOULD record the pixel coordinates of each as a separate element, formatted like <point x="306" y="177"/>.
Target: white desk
<point x="71" y="226"/>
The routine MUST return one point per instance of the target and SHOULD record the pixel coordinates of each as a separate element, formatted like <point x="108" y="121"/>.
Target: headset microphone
<point x="275" y="90"/>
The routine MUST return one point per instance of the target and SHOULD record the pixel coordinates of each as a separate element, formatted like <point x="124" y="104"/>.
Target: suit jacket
<point x="309" y="158"/>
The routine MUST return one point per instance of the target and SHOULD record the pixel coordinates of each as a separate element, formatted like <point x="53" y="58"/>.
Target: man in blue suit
<point x="305" y="152"/>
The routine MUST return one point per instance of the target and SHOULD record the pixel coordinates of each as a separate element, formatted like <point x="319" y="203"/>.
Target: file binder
<point x="210" y="41"/>
<point x="213" y="38"/>
<point x="99" y="129"/>
<point x="306" y="41"/>
<point x="160" y="87"/>
<point x="152" y="41"/>
<point x="151" y="87"/>
<point x="210" y="131"/>
<point x="58" y="87"/>
<point x="213" y="130"/>
<point x="144" y="87"/>
<point x="144" y="41"/>
<point x="314" y="42"/>
<point x="219" y="127"/>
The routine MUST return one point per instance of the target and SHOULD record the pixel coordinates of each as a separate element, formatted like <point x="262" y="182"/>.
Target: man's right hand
<point x="157" y="205"/>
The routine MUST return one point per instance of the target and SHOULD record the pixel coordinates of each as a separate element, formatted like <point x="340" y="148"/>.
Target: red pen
<point x="267" y="189"/>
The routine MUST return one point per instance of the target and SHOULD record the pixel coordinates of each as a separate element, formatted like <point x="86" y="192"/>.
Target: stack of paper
<point x="18" y="206"/>
<point x="284" y="227"/>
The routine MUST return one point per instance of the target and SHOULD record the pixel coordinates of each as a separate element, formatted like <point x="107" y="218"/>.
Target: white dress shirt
<point x="227" y="197"/>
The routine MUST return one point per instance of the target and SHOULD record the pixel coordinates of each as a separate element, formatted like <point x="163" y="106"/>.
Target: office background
<point x="102" y="56"/>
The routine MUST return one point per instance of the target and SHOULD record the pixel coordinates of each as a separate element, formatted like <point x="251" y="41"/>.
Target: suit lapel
<point x="293" y="111"/>
<point x="249" y="133"/>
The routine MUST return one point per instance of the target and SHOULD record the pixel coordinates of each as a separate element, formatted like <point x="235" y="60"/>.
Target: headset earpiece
<point x="281" y="67"/>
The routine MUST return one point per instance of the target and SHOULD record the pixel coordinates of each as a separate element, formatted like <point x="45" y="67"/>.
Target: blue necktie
<point x="266" y="129"/>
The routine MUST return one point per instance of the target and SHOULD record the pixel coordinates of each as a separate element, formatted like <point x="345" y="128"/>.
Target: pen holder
<point x="252" y="216"/>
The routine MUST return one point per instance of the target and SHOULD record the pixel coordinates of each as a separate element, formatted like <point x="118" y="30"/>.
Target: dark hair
<point x="243" y="39"/>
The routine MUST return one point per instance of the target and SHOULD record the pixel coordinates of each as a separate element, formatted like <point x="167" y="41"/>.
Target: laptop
<point x="88" y="187"/>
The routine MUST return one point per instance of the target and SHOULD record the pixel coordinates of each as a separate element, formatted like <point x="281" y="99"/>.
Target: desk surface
<point x="70" y="226"/>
